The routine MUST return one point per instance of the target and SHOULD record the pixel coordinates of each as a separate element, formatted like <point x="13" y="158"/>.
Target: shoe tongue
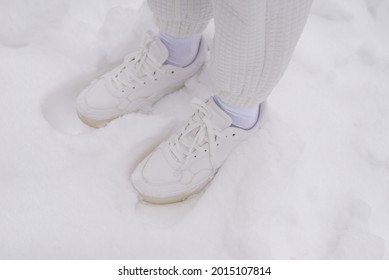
<point x="158" y="51"/>
<point x="219" y="118"/>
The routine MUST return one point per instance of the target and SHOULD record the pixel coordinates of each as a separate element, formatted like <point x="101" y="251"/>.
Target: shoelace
<point x="198" y="135"/>
<point x="137" y="66"/>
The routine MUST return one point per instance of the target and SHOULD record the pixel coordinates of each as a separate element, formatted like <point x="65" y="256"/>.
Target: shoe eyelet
<point x="233" y="134"/>
<point x="133" y="87"/>
<point x="144" y="83"/>
<point x="172" y="72"/>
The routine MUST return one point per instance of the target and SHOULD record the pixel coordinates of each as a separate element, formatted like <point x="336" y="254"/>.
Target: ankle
<point x="182" y="51"/>
<point x="244" y="118"/>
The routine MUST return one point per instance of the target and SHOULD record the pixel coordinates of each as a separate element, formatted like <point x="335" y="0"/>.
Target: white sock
<point x="244" y="118"/>
<point x="182" y="51"/>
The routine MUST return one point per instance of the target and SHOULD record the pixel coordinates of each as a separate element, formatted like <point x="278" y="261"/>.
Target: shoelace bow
<point x="137" y="66"/>
<point x="201" y="130"/>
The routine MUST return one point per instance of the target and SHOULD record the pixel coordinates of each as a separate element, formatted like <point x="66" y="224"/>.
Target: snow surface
<point x="313" y="184"/>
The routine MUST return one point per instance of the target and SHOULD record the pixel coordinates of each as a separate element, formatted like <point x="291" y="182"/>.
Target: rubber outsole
<point x="171" y="199"/>
<point x="93" y="123"/>
<point x="176" y="198"/>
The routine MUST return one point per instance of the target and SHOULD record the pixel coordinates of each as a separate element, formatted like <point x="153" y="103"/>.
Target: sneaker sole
<point x="173" y="199"/>
<point x="93" y="123"/>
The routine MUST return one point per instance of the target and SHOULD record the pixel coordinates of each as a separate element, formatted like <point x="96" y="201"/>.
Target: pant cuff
<point x="180" y="29"/>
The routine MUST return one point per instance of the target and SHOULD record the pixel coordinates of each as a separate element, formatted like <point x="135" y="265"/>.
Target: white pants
<point x="253" y="43"/>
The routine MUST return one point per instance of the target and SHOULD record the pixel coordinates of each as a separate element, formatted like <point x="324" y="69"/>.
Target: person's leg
<point x="253" y="43"/>
<point x="181" y="23"/>
<point x="181" y="18"/>
<point x="162" y="65"/>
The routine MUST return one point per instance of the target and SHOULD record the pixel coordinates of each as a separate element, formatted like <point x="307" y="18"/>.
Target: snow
<point x="312" y="184"/>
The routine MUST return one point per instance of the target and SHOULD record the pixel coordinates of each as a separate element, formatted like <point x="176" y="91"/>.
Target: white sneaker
<point x="139" y="81"/>
<point x="188" y="160"/>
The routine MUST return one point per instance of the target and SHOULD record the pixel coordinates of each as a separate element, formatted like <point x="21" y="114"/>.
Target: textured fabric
<point x="253" y="43"/>
<point x="181" y="18"/>
<point x="182" y="51"/>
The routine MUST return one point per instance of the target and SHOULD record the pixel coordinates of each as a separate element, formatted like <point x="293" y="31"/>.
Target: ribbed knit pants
<point x="253" y="43"/>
